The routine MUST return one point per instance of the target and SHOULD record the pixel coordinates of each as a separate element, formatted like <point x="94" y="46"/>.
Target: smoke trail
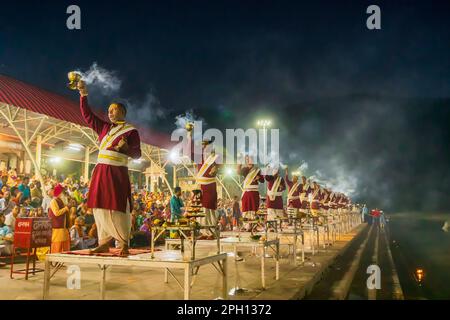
<point x="147" y="111"/>
<point x="104" y="81"/>
<point x="303" y="168"/>
<point x="105" y="86"/>
<point x="189" y="117"/>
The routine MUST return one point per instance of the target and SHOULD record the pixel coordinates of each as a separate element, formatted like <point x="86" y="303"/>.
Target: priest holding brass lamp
<point x="110" y="190"/>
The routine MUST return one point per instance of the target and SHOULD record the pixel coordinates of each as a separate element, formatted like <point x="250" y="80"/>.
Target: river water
<point x="418" y="242"/>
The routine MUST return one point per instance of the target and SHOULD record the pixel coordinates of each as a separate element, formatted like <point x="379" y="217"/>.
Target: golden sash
<point x="201" y="179"/>
<point x="292" y="191"/>
<point x="316" y="192"/>
<point x="272" y="193"/>
<point x="113" y="134"/>
<point x="247" y="184"/>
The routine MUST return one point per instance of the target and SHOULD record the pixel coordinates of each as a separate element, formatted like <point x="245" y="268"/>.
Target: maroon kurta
<point x="305" y="191"/>
<point x="209" y="191"/>
<point x="294" y="203"/>
<point x="325" y="198"/>
<point x="315" y="204"/>
<point x="278" y="202"/>
<point x="333" y="201"/>
<point x="345" y="202"/>
<point x="337" y="201"/>
<point x="250" y="199"/>
<point x="59" y="222"/>
<point x="110" y="185"/>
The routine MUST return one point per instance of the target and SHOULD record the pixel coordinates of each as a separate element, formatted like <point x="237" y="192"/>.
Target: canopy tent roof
<point x="32" y="98"/>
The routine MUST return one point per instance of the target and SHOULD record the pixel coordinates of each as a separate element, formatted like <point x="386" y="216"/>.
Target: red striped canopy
<point x="26" y="96"/>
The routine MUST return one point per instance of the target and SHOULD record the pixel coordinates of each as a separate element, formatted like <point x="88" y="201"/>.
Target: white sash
<point x="316" y="192"/>
<point x="304" y="193"/>
<point x="272" y="193"/>
<point x="306" y="186"/>
<point x="201" y="179"/>
<point x="247" y="184"/>
<point x="109" y="157"/>
<point x="113" y="134"/>
<point x="292" y="191"/>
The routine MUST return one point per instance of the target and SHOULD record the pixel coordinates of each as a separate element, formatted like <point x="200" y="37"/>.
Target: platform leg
<point x="28" y="264"/>
<point x="12" y="262"/>
<point x="193" y="240"/>
<point x="318" y="239"/>
<point x="277" y="263"/>
<point x="303" y="247"/>
<point x="263" y="274"/>
<point x="34" y="261"/>
<point x="103" y="282"/>
<point x="218" y="240"/>
<point x="153" y="243"/>
<point x="224" y="278"/>
<point x="187" y="282"/>
<point x="47" y="272"/>
<point x="295" y="249"/>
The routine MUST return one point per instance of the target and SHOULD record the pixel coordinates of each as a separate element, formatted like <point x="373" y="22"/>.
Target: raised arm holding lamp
<point x="110" y="189"/>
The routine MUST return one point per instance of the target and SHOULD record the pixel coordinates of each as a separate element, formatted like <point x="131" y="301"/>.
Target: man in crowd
<point x="24" y="189"/>
<point x="35" y="194"/>
<point x="78" y="236"/>
<point x="3" y="181"/>
<point x="59" y="215"/>
<point x="364" y="213"/>
<point x="6" y="236"/>
<point x="10" y="219"/>
<point x="236" y="213"/>
<point x="176" y="208"/>
<point x="376" y="217"/>
<point x="6" y="205"/>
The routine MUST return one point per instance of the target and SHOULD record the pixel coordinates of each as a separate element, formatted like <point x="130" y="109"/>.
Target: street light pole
<point x="264" y="124"/>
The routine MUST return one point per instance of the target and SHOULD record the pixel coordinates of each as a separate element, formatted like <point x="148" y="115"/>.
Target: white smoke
<point x="106" y="82"/>
<point x="105" y="85"/>
<point x="189" y="117"/>
<point x="273" y="162"/>
<point x="147" y="110"/>
<point x="183" y="119"/>
<point x="303" y="168"/>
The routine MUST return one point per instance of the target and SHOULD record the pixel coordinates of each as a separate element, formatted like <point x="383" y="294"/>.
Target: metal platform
<point x="166" y="260"/>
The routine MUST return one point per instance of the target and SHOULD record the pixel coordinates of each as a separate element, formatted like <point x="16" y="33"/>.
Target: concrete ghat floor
<point x="137" y="283"/>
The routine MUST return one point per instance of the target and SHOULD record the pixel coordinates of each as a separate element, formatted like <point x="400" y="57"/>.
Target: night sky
<point x="370" y="108"/>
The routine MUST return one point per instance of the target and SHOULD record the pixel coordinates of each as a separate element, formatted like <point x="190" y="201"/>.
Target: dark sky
<point x="368" y="108"/>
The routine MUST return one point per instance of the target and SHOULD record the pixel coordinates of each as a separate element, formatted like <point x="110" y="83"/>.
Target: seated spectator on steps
<point x="78" y="237"/>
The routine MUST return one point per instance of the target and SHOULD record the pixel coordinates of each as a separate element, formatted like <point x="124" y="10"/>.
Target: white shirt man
<point x="10" y="221"/>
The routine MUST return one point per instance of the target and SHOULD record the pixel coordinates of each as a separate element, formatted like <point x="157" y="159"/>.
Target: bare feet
<point x="124" y="250"/>
<point x="100" y="249"/>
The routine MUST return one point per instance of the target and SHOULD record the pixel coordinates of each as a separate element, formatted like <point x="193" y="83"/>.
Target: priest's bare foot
<point x="100" y="249"/>
<point x="124" y="250"/>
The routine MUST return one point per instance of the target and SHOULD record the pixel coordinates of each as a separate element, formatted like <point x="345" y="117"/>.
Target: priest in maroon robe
<point x="110" y="190"/>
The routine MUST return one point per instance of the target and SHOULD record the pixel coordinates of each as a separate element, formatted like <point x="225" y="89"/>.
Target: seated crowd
<point x="21" y="196"/>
